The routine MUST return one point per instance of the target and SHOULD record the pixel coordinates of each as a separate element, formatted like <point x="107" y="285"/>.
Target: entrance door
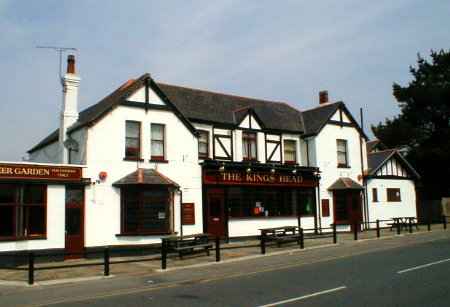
<point x="216" y="212"/>
<point x="347" y="207"/>
<point x="74" y="221"/>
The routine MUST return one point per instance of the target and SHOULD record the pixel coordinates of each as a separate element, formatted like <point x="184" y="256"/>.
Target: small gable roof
<point x="376" y="160"/>
<point x="315" y="119"/>
<point x="345" y="183"/>
<point x="145" y="177"/>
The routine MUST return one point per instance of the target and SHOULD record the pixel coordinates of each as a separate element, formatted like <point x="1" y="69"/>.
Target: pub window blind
<point x="393" y="195"/>
<point x="203" y="144"/>
<point x="290" y="151"/>
<point x="249" y="146"/>
<point x="342" y="158"/>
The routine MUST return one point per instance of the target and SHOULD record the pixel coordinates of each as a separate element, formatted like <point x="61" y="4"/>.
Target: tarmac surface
<point x="411" y="269"/>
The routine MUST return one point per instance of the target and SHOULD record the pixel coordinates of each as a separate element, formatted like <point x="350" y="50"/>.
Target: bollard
<point x="444" y="221"/>
<point x="334" y="234"/>
<point x="163" y="255"/>
<point x="31" y="268"/>
<point x="378" y="228"/>
<point x="302" y="238"/>
<point x="106" y="261"/>
<point x="429" y="223"/>
<point x="410" y="226"/>
<point x="355" y="231"/>
<point x="398" y="227"/>
<point x="263" y="242"/>
<point x="217" y="249"/>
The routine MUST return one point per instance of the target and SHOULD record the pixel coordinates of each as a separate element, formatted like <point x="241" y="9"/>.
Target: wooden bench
<point x="281" y="235"/>
<point x="188" y="244"/>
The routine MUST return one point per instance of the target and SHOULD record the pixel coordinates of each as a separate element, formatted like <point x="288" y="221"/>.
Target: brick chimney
<point x="323" y="97"/>
<point x="69" y="111"/>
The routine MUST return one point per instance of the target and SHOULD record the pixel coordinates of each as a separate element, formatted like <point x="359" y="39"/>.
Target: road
<point x="381" y="273"/>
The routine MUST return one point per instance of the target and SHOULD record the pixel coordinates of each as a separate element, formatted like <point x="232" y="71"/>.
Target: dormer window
<point x="132" y="140"/>
<point x="249" y="146"/>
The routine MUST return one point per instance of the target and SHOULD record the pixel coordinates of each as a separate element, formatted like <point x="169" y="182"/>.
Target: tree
<point x="425" y="111"/>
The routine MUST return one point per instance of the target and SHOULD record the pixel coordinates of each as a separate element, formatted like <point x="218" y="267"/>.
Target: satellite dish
<point x="71" y="144"/>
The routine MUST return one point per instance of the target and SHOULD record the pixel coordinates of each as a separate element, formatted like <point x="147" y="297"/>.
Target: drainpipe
<point x="181" y="211"/>
<point x="365" y="202"/>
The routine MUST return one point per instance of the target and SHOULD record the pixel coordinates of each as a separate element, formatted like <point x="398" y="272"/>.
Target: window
<point x="290" y="151"/>
<point x="374" y="195"/>
<point x="203" y="144"/>
<point x="132" y="140"/>
<point x="393" y="195"/>
<point x="261" y="202"/>
<point x="157" y="142"/>
<point x="342" y="153"/>
<point x="249" y="145"/>
<point x="146" y="211"/>
<point x="22" y="211"/>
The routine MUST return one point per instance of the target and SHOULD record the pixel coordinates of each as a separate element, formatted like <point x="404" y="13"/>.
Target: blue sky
<point x="279" y="50"/>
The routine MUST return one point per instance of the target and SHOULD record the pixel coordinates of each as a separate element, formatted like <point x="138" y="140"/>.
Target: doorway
<point x="215" y="212"/>
<point x="347" y="207"/>
<point x="74" y="241"/>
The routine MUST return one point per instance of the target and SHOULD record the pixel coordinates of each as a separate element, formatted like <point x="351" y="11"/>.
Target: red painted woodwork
<point x="74" y="221"/>
<point x="347" y="207"/>
<point x="216" y="212"/>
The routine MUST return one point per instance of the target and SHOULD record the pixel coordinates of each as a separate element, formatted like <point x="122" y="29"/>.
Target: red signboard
<point x="188" y="214"/>
<point x="44" y="172"/>
<point x="325" y="207"/>
<point x="257" y="178"/>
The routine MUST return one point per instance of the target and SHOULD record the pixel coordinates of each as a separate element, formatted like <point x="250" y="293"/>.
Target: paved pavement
<point x="151" y="263"/>
<point x="361" y="273"/>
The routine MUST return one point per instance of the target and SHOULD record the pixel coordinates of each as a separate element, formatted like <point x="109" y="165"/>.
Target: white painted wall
<point x="55" y="224"/>
<point x="106" y="150"/>
<point x="326" y="155"/>
<point x="385" y="210"/>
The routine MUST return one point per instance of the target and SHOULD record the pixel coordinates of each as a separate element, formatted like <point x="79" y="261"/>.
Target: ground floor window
<point x="264" y="201"/>
<point x="146" y="210"/>
<point x="22" y="211"/>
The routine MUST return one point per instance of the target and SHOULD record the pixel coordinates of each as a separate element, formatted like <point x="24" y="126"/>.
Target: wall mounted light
<point x="294" y="171"/>
<point x="222" y="168"/>
<point x="248" y="170"/>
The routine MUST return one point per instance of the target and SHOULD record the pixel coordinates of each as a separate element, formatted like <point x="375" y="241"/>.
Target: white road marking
<point x="422" y="266"/>
<point x="295" y="299"/>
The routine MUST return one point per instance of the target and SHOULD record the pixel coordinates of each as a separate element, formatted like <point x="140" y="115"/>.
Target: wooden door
<point x="347" y="207"/>
<point x="74" y="221"/>
<point x="216" y="212"/>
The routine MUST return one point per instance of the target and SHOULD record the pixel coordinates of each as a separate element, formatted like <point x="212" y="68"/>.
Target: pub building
<point x="160" y="159"/>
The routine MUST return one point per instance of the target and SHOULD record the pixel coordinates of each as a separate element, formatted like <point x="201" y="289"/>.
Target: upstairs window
<point x="342" y="157"/>
<point x="375" y="195"/>
<point x="157" y="142"/>
<point x="249" y="145"/>
<point x="203" y="144"/>
<point x="290" y="151"/>
<point x="393" y="195"/>
<point x="132" y="140"/>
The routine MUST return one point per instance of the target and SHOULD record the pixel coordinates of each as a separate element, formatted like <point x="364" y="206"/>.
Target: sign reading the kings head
<point x="257" y="178"/>
<point x="45" y="172"/>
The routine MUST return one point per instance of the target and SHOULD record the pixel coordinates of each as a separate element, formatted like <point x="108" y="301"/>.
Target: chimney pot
<point x="323" y="97"/>
<point x="71" y="64"/>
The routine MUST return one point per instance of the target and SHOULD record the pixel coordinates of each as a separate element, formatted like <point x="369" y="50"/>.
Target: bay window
<point x="146" y="211"/>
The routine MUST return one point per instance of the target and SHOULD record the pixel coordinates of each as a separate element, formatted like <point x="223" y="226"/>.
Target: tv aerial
<point x="60" y="51"/>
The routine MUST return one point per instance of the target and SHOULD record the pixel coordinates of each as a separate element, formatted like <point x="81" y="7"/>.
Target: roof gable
<point x="379" y="159"/>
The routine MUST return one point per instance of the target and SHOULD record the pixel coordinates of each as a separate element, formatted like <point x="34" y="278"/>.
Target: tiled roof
<point x="145" y="177"/>
<point x="376" y="159"/>
<point x="345" y="183"/>
<point x="315" y="119"/>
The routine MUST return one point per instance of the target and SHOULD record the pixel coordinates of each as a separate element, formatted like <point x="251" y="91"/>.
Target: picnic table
<point x="404" y="222"/>
<point x="280" y="235"/>
<point x="188" y="244"/>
